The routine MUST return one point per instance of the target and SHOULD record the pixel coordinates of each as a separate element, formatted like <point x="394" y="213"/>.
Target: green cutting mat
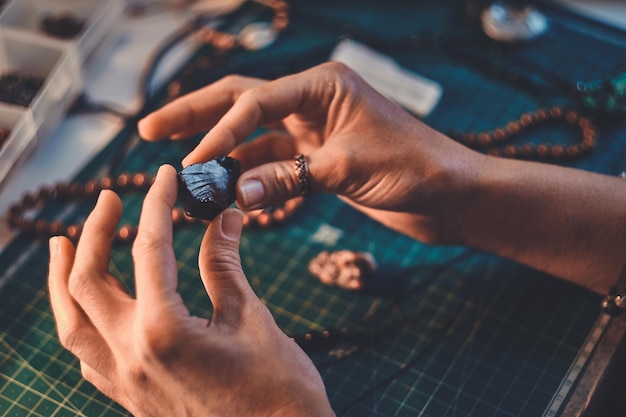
<point x="442" y="331"/>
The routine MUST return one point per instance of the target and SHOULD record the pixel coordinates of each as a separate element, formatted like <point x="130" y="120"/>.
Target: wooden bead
<point x="527" y="119"/>
<point x="541" y="115"/>
<point x="574" y="151"/>
<point x="485" y="139"/>
<point x="558" y="151"/>
<point x="44" y="195"/>
<point x="178" y="215"/>
<point x="42" y="226"/>
<point x="510" y="151"/>
<point x="123" y="180"/>
<point x="75" y="189"/>
<point x="527" y="150"/>
<point x="28" y="201"/>
<point x="91" y="188"/>
<point x="74" y="231"/>
<point x="126" y="233"/>
<point x="571" y="117"/>
<point x="107" y="183"/>
<point x="57" y="228"/>
<point x="556" y="112"/>
<point x="264" y="219"/>
<point x="470" y="139"/>
<point x="513" y="127"/>
<point x="499" y="134"/>
<point x="543" y="150"/>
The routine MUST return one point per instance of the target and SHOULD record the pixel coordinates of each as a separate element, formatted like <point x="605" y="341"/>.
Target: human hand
<point x="148" y="353"/>
<point x="358" y="145"/>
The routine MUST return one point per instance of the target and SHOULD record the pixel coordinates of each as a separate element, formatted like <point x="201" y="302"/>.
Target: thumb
<point x="270" y="184"/>
<point x="220" y="268"/>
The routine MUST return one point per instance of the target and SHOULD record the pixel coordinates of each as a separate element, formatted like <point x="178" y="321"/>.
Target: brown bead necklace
<point x="18" y="219"/>
<point x="544" y="151"/>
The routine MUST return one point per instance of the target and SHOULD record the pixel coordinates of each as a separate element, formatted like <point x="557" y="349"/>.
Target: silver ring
<point x="302" y="174"/>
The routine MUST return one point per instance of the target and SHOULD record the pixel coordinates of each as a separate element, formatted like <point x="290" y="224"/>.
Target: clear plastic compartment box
<point x="26" y="49"/>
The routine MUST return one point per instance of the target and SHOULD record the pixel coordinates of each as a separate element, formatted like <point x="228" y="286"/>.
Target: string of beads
<point x="18" y="219"/>
<point x="543" y="151"/>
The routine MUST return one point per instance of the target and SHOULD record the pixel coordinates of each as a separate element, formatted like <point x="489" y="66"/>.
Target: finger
<point x="155" y="264"/>
<point x="94" y="247"/>
<point x="195" y="112"/>
<point x="220" y="268"/>
<point x="76" y="332"/>
<point x="94" y="289"/>
<point x="269" y="147"/>
<point x="104" y="385"/>
<point x="262" y="105"/>
<point x="273" y="183"/>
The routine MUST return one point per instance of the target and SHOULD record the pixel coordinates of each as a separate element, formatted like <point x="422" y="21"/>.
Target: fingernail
<point x="53" y="245"/>
<point x="252" y="193"/>
<point x="232" y="222"/>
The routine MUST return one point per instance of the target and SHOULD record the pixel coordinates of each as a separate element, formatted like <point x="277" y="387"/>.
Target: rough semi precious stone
<point x="208" y="188"/>
<point x="346" y="269"/>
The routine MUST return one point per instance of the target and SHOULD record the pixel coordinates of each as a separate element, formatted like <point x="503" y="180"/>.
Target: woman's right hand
<point x="357" y="143"/>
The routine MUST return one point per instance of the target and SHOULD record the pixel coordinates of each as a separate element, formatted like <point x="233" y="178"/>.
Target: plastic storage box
<point x="27" y="50"/>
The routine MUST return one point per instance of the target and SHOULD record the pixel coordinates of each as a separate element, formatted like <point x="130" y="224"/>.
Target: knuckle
<point x="156" y="342"/>
<point x="78" y="286"/>
<point x="145" y="244"/>
<point x="231" y="80"/>
<point x="69" y="336"/>
<point x="286" y="183"/>
<point x="136" y="374"/>
<point x="87" y="373"/>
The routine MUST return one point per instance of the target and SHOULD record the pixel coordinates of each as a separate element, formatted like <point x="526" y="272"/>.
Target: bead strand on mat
<point x="543" y="151"/>
<point x="140" y="181"/>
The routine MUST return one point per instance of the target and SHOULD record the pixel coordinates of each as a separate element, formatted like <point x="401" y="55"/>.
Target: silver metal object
<point x="504" y="22"/>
